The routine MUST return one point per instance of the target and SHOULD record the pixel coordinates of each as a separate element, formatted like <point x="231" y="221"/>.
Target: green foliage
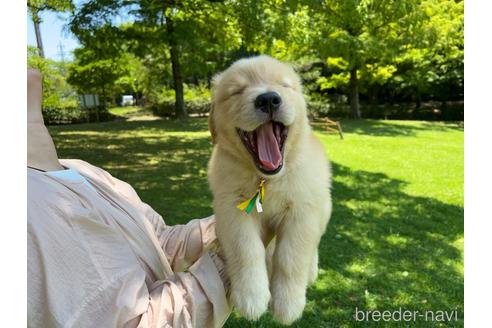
<point x="93" y="76"/>
<point x="35" y="7"/>
<point x="375" y="74"/>
<point x="335" y="81"/>
<point x="197" y="92"/>
<point x="156" y="32"/>
<point x="402" y="50"/>
<point x="93" y="73"/>
<point x="433" y="62"/>
<point x="197" y="99"/>
<point x="60" y="101"/>
<point x="54" y="5"/>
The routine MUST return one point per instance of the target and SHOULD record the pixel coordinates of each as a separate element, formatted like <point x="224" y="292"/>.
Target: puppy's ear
<point x="211" y="123"/>
<point x="216" y="80"/>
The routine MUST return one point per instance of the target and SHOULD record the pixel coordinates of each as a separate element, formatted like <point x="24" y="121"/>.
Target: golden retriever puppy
<point x="264" y="146"/>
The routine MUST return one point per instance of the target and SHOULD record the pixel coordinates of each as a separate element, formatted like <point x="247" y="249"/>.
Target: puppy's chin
<point x="279" y="173"/>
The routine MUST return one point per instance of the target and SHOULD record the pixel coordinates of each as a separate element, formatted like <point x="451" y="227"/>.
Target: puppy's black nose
<point x="268" y="102"/>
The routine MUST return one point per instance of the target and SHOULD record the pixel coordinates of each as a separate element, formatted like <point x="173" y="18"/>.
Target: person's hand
<point x="34" y="96"/>
<point x="41" y="152"/>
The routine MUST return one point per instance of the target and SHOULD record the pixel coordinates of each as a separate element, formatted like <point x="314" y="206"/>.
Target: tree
<point x="92" y="73"/>
<point x="360" y="47"/>
<point x="180" y="28"/>
<point x="360" y="32"/>
<point x="432" y="60"/>
<point x="35" y="7"/>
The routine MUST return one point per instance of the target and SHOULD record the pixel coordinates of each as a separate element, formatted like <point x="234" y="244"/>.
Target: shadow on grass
<point x="379" y="128"/>
<point x="168" y="172"/>
<point x="383" y="249"/>
<point x="161" y="125"/>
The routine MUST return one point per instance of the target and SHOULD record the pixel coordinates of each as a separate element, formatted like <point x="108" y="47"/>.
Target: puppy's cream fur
<point x="297" y="203"/>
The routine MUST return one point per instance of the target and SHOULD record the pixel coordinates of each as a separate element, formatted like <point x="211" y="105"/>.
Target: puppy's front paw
<point x="252" y="300"/>
<point x="288" y="306"/>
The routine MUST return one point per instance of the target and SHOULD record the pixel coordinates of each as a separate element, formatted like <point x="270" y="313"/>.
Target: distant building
<point x="127" y="100"/>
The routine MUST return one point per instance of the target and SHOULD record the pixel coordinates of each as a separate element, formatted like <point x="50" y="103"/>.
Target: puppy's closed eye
<point x="286" y="84"/>
<point x="237" y="90"/>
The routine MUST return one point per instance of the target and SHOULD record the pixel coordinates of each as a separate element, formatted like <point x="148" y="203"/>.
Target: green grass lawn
<point x="124" y="111"/>
<point x="395" y="238"/>
<point x="132" y="113"/>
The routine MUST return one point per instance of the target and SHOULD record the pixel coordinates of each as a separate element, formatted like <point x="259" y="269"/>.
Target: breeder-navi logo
<point x="405" y="315"/>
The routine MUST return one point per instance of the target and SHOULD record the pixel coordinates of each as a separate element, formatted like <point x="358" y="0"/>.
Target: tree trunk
<point x="36" y="20"/>
<point x="178" y="79"/>
<point x="354" y="94"/>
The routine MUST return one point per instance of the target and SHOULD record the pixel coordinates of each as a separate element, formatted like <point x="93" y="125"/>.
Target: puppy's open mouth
<point x="266" y="145"/>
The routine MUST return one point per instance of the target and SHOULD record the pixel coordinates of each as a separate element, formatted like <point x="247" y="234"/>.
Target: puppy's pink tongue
<point x="268" y="148"/>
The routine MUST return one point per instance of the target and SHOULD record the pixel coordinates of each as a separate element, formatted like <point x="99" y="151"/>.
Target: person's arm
<point x="182" y="244"/>
<point x="202" y="293"/>
<point x="196" y="297"/>
<point x="187" y="299"/>
<point x="190" y="299"/>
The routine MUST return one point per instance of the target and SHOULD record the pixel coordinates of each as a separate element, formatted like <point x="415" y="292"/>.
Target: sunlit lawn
<point x="124" y="111"/>
<point x="395" y="239"/>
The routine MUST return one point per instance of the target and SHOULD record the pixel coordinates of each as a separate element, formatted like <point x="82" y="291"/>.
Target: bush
<point x="199" y="106"/>
<point x="197" y="101"/>
<point x="164" y="108"/>
<point x="331" y="105"/>
<point x="335" y="105"/>
<point x="69" y="115"/>
<point x="195" y="106"/>
<point x="432" y="111"/>
<point x="54" y="115"/>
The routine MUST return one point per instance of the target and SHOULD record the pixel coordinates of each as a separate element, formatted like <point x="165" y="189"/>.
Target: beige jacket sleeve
<point x="192" y="298"/>
<point x="90" y="261"/>
<point x="196" y="298"/>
